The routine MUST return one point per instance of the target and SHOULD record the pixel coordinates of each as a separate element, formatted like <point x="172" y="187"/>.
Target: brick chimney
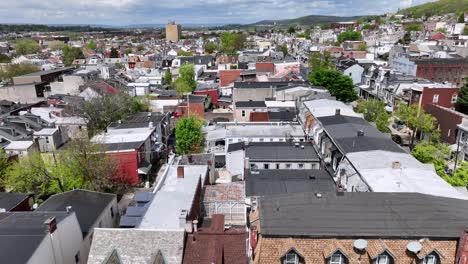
<point x="180" y="172"/>
<point x="462" y="252"/>
<point x="51" y="224"/>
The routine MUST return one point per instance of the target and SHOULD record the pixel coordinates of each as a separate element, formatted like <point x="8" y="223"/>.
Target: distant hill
<point x="307" y="20"/>
<point x="440" y="7"/>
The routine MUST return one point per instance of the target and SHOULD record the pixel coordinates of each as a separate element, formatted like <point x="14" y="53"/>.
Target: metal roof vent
<point x="318" y="195"/>
<point x="414" y="247"/>
<point x="360" y="244"/>
<point x="360" y="133"/>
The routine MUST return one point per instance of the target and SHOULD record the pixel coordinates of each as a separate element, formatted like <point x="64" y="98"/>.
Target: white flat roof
<point x="376" y="169"/>
<point x="45" y="132"/>
<point x="326" y="107"/>
<point x="175" y="195"/>
<point x="123" y="135"/>
<point x="264" y="131"/>
<point x="290" y="104"/>
<point x="19" y="145"/>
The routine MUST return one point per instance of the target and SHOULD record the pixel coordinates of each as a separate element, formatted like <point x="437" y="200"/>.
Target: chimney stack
<point x="180" y="172"/>
<point x="183" y="219"/>
<point x="338" y="111"/>
<point x="396" y="165"/>
<point x="68" y="208"/>
<point x="51" y="224"/>
<point x="190" y="159"/>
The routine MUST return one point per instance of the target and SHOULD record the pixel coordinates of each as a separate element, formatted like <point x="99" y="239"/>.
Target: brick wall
<point x="447" y="120"/>
<point x="228" y="76"/>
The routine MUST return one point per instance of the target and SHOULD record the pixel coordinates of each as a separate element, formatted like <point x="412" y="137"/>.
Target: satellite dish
<point x="360" y="244"/>
<point x="414" y="247"/>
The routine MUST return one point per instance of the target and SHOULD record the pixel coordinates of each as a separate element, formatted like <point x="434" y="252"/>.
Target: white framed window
<point x="382" y="259"/>
<point x="336" y="258"/>
<point x="291" y="258"/>
<point x="300" y="165"/>
<point x="430" y="259"/>
<point x="288" y="166"/>
<point x="243" y="113"/>
<point x="454" y="98"/>
<point x="262" y="139"/>
<point x="435" y="98"/>
<point x="266" y="166"/>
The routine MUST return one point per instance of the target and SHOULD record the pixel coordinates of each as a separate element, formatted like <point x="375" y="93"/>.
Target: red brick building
<point x="443" y="70"/>
<point x="446" y="97"/>
<point x="265" y="67"/>
<point x="448" y="121"/>
<point x="213" y="93"/>
<point x="228" y="76"/>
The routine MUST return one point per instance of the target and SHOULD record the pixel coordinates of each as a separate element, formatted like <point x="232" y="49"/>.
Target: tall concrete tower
<point x="173" y="31"/>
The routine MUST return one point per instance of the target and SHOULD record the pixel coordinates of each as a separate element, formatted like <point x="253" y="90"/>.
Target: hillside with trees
<point x="436" y="8"/>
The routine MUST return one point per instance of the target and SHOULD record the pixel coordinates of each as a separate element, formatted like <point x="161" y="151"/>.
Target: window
<point x="243" y="113"/>
<point x="291" y="258"/>
<point x="430" y="259"/>
<point x="382" y="259"/>
<point x="288" y="166"/>
<point x="336" y="258"/>
<point x="261" y="140"/>
<point x="435" y="98"/>
<point x="300" y="165"/>
<point x="454" y="98"/>
<point x="266" y="166"/>
<point x="271" y="140"/>
<point x="77" y="257"/>
<point x="112" y="212"/>
<point x="277" y="166"/>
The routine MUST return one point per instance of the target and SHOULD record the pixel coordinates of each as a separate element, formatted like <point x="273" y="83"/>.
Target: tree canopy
<point x="186" y="82"/>
<point x="189" y="137"/>
<point x="91" y="45"/>
<point x="27" y="46"/>
<point x="184" y="53"/>
<point x="432" y="152"/>
<point x="349" y="35"/>
<point x="168" y="77"/>
<point x="4" y="58"/>
<point x="210" y="47"/>
<point x="12" y="70"/>
<point x="418" y="120"/>
<point x="232" y="42"/>
<point x="114" y="53"/>
<point x="70" y="54"/>
<point x="321" y="60"/>
<point x="374" y="111"/>
<point x="462" y="100"/>
<point x="337" y="84"/>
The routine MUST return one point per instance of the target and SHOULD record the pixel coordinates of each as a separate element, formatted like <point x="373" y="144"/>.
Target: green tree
<point x="435" y="153"/>
<point x="140" y="48"/>
<point x="232" y="42"/>
<point x="182" y="87"/>
<point x="461" y="18"/>
<point x="114" y="53"/>
<point x="284" y="48"/>
<point x="56" y="45"/>
<point x="349" y="35"/>
<point x="119" y="66"/>
<point x="462" y="101"/>
<point x="465" y="31"/>
<point x="12" y="70"/>
<point x="70" y="54"/>
<point x="187" y="77"/>
<point x="406" y="40"/>
<point x="337" y="84"/>
<point x="27" y="46"/>
<point x="4" y="58"/>
<point x="417" y="120"/>
<point x="374" y="111"/>
<point x="168" y="77"/>
<point x="4" y="165"/>
<point x="189" y="136"/>
<point x="460" y="178"/>
<point x="291" y="30"/>
<point x="362" y="47"/>
<point x="413" y="27"/>
<point x="210" y="47"/>
<point x="91" y="45"/>
<point x="184" y="53"/>
<point x="321" y="60"/>
<point x="303" y="35"/>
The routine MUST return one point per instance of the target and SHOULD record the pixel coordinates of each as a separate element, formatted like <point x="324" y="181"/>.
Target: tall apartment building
<point x="173" y="31"/>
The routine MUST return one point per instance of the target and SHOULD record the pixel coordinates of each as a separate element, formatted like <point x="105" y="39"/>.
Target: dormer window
<point x="337" y="258"/>
<point x="383" y="259"/>
<point x="430" y="259"/>
<point x="292" y="257"/>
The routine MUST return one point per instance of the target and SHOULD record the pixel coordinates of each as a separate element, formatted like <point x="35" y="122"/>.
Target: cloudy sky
<point x="124" y="12"/>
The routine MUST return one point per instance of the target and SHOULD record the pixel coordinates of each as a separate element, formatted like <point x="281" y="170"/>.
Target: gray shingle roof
<point x="9" y="201"/>
<point x="280" y="151"/>
<point x="275" y="182"/>
<point x="249" y="104"/>
<point x="344" y="130"/>
<point x="358" y="214"/>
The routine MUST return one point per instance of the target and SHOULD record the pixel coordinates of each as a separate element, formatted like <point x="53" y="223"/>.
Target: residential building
<point x="448" y="121"/>
<point x="173" y="32"/>
<point x="227" y="199"/>
<point x="358" y="228"/>
<point x="92" y="210"/>
<point x="14" y="202"/>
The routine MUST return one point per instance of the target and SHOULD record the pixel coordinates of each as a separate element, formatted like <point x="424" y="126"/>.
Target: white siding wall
<point x="235" y="162"/>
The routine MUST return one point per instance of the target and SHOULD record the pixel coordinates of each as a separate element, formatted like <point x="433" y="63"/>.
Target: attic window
<point x="337" y="258"/>
<point x="383" y="259"/>
<point x="292" y="257"/>
<point x="430" y="259"/>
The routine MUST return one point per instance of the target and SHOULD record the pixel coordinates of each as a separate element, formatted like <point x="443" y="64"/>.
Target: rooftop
<point x="326" y="107"/>
<point x="250" y="104"/>
<point x="363" y="215"/>
<point x="88" y="206"/>
<point x="280" y="151"/>
<point x="125" y="135"/>
<point x="9" y="201"/>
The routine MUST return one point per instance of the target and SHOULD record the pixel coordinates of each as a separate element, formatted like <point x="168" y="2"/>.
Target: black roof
<point x="275" y="182"/>
<point x="281" y="116"/>
<point x="22" y="232"/>
<point x="9" y="201"/>
<point x="88" y="205"/>
<point x="266" y="84"/>
<point x="363" y="214"/>
<point x="235" y="146"/>
<point x="122" y="146"/>
<point x="248" y="104"/>
<point x="141" y="119"/>
<point x="280" y="151"/>
<point x="344" y="131"/>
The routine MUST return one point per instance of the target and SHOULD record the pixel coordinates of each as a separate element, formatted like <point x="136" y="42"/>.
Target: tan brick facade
<point x="270" y="250"/>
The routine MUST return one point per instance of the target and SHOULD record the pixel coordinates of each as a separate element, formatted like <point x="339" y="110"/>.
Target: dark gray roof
<point x="280" y="151"/>
<point x="275" y="182"/>
<point x="9" y="201"/>
<point x="344" y="131"/>
<point x="249" y="104"/>
<point x="42" y="73"/>
<point x="122" y="146"/>
<point x="235" y="146"/>
<point x="266" y="84"/>
<point x="141" y="119"/>
<point x="88" y="205"/>
<point x="358" y="214"/>
<point x="196" y="159"/>
<point x="281" y="116"/>
<point x="22" y="232"/>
